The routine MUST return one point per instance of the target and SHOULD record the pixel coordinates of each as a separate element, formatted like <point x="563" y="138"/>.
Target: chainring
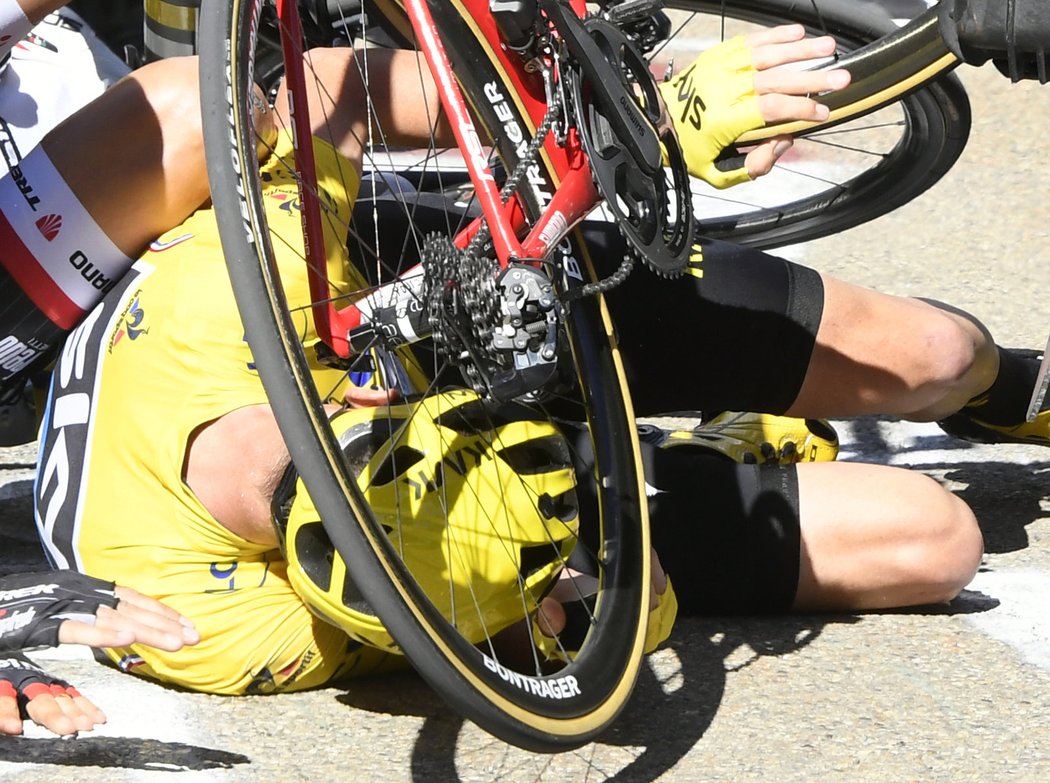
<point x="654" y="211"/>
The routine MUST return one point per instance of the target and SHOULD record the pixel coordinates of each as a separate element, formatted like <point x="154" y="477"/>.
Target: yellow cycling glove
<point x="712" y="103"/>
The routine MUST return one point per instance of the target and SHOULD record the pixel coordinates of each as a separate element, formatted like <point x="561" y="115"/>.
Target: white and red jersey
<point x="57" y="68"/>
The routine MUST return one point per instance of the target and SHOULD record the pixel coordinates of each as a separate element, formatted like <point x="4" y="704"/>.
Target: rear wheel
<point x="539" y="704"/>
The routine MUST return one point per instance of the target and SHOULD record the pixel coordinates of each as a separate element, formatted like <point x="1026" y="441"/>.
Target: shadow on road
<point x="687" y="682"/>
<point x="1006" y="496"/>
<point x="122" y="752"/>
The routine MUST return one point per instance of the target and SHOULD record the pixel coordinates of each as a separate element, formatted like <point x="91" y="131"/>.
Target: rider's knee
<point x="171" y="89"/>
<point x="958" y="354"/>
<point x="950" y="551"/>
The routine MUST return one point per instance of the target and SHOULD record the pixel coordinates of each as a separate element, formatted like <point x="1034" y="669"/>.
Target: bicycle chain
<point x="460" y="289"/>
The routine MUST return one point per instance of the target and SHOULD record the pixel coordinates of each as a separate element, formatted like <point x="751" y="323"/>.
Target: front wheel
<point x="448" y="467"/>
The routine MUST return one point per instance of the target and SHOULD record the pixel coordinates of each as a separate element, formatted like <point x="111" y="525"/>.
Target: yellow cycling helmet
<point x="479" y="500"/>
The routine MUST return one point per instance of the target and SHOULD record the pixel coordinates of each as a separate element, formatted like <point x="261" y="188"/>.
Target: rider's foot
<point x="756" y="438"/>
<point x="973" y="423"/>
<point x="967" y="426"/>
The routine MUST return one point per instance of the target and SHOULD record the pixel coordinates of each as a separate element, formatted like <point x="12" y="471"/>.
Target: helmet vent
<point x="396" y="464"/>
<point x="537" y="456"/>
<point x="315" y="552"/>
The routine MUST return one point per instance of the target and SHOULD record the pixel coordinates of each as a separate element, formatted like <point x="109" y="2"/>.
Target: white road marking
<point x="1020" y="619"/>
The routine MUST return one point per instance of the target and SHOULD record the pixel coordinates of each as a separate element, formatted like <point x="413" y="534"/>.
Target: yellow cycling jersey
<point x="163" y="354"/>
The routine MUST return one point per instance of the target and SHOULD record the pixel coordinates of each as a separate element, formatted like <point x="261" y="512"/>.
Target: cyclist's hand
<point x="51" y="607"/>
<point x="363" y="397"/>
<point x="552" y="616"/>
<point x="736" y="87"/>
<point x="137" y="619"/>
<point x="27" y="691"/>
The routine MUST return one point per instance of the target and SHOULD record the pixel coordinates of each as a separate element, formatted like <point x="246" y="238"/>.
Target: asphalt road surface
<point x="954" y="693"/>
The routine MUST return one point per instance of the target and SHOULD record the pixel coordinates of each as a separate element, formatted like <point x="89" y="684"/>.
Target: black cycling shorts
<point x="727" y="534"/>
<point x="739" y="338"/>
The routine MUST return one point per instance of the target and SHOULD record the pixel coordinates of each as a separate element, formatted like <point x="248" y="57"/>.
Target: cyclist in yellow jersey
<point x="148" y="191"/>
<point x="174" y="340"/>
<point x="158" y="420"/>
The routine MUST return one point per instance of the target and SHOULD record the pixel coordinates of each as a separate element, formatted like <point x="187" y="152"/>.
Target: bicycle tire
<point x="608" y="662"/>
<point x="891" y="67"/>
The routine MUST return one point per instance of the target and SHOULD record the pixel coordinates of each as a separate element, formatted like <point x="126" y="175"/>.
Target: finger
<point x="119" y="628"/>
<point x="10" y="719"/>
<point x="783" y="33"/>
<point x="45" y="711"/>
<point x="87" y="707"/>
<point x="782" y="53"/>
<point x="801" y="82"/>
<point x="360" y="397"/>
<point x="135" y="598"/>
<point x="550" y="617"/>
<point x="73" y="708"/>
<point x="76" y="632"/>
<point x="148" y="610"/>
<point x="761" y="159"/>
<point x="148" y="627"/>
<point x="781" y="108"/>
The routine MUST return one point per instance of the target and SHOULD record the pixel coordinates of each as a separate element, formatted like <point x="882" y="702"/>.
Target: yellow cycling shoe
<point x="967" y="423"/>
<point x="966" y="426"/>
<point x="757" y="438"/>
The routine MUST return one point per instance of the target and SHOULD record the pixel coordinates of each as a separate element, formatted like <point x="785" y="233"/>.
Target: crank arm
<point x="629" y="123"/>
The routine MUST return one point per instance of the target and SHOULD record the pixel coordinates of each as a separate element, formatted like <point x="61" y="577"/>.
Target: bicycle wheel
<point x="520" y="698"/>
<point x="879" y="150"/>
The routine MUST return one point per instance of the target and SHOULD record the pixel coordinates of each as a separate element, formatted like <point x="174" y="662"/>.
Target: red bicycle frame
<point x="574" y="195"/>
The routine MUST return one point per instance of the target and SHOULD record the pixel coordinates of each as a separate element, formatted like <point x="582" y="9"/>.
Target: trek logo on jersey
<point x="15" y="355"/>
<point x="26" y="592"/>
<point x="24" y="187"/>
<point x="49" y="226"/>
<point x="15" y="621"/>
<point x="8" y="148"/>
